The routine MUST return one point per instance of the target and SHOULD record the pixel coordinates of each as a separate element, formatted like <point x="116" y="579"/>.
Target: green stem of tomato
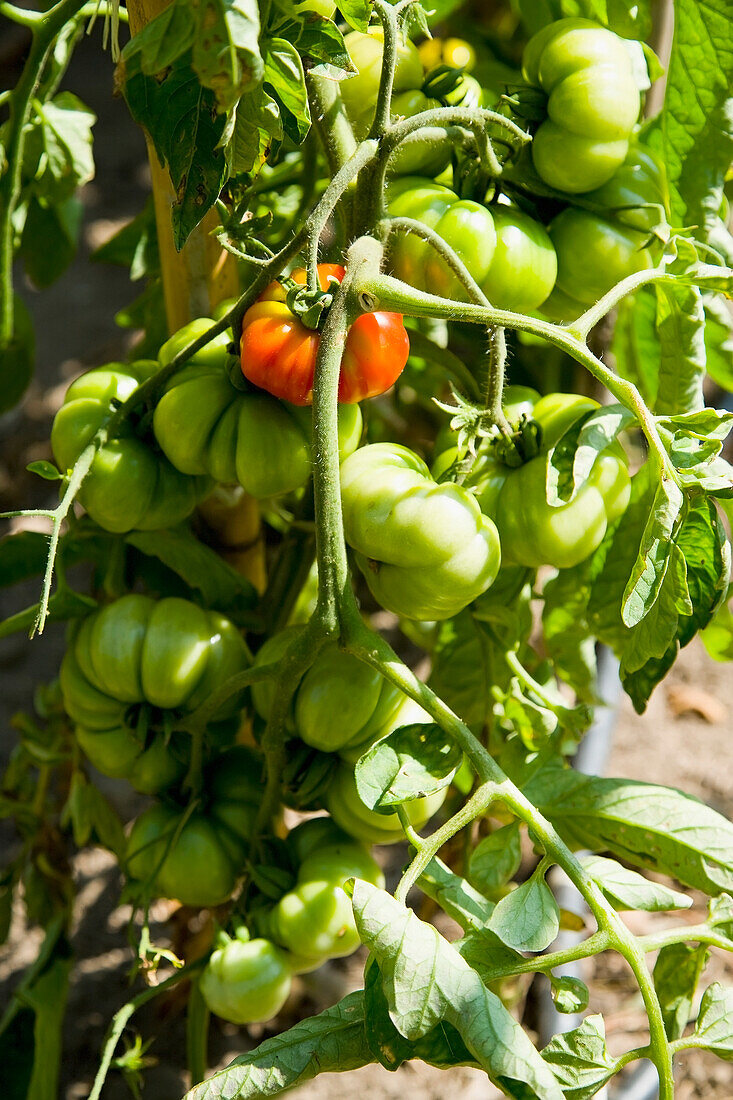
<point x="495" y="379"/>
<point x="386" y="293"/>
<point x="383" y="112"/>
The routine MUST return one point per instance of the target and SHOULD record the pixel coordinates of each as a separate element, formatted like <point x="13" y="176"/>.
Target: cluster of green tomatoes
<point x="138" y="669"/>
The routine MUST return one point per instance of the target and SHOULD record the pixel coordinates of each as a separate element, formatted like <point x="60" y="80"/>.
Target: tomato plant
<point x="335" y="601"/>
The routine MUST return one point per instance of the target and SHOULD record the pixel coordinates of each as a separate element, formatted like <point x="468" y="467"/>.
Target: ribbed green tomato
<point x="181" y="859"/>
<point x="523" y="267"/>
<point x="204" y="425"/>
<point x="369" y="826"/>
<point x="133" y="658"/>
<point x="425" y="550"/>
<point x="315" y="921"/>
<point x="129" y="485"/>
<point x="593" y="102"/>
<point x="634" y="195"/>
<point x="343" y="703"/>
<point x="532" y="532"/>
<point x="509" y="254"/>
<point x="592" y="256"/>
<point x="246" y="981"/>
<point x="359" y="92"/>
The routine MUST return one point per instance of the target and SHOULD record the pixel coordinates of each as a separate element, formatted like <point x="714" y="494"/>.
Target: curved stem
<point x="588" y="320"/>
<point x="447" y="254"/>
<point x="383" y="112"/>
<point x="385" y="292"/>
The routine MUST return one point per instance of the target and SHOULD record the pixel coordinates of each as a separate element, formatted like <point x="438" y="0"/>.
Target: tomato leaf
<point x="134" y="246"/>
<point x="455" y="896"/>
<point x="655" y="553"/>
<point x="17" y="358"/>
<point x="63" y="605"/>
<point x="569" y="995"/>
<point x="226" y="55"/>
<point x="573" y="457"/>
<point x="528" y="918"/>
<point x="44" y="469"/>
<point x="714" y="1027"/>
<point x="635" y="343"/>
<point x="49" y="241"/>
<point x="165" y="39"/>
<point x="185" y="129"/>
<point x="253" y="127"/>
<point x="579" y="1059"/>
<point x="645" y="825"/>
<point x="719" y="342"/>
<point x="677" y="971"/>
<point x="626" y="889"/>
<point x="496" y="858"/>
<point x="320" y="44"/>
<point x="357" y="13"/>
<point x="285" y="79"/>
<point x="411" y="762"/>
<point x="199" y="566"/>
<point x="334" y="1041"/>
<point x="681" y="330"/>
<point x="426" y="980"/>
<point x="694" y="133"/>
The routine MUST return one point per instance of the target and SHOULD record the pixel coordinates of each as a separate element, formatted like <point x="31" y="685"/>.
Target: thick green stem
<point x="45" y="27"/>
<point x="383" y="111"/>
<point x="383" y="292"/>
<point x="495" y="379"/>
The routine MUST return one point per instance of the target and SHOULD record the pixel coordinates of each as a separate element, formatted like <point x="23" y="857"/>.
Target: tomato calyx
<point x="441" y="81"/>
<point x="309" y="306"/>
<point x="522" y="445"/>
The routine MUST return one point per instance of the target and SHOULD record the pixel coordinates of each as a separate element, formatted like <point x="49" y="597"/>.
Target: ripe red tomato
<point x="279" y="351"/>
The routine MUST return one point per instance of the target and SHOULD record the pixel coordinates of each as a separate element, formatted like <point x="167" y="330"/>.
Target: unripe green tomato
<point x="313" y="835"/>
<point x="524" y="264"/>
<point x="634" y="195"/>
<point x="369" y="826"/>
<point x="594" y="254"/>
<point x="425" y="549"/>
<point x="129" y="485"/>
<point x="186" y="860"/>
<point x="205" y="426"/>
<point x="234" y="783"/>
<point x="342" y="702"/>
<point x="593" y="103"/>
<point x="263" y="691"/>
<point x="467" y="93"/>
<point x="315" y="920"/>
<point x="465" y="225"/>
<point x="148" y="768"/>
<point x="534" y="533"/>
<point x="246" y="983"/>
<point x="359" y="92"/>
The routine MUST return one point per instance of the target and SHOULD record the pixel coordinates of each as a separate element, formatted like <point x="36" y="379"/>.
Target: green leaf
<point x="50" y="238"/>
<point x="455" y="896"/>
<point x="655" y="553"/>
<point x="226" y="54"/>
<point x="47" y="997"/>
<point x="694" y="133"/>
<point x="579" y="1059"/>
<point x="165" y="39"/>
<point x="334" y="1041"/>
<point x="676" y="973"/>
<point x="426" y="981"/>
<point x="185" y="129"/>
<point x="357" y="13"/>
<point x="626" y="889"/>
<point x="63" y="605"/>
<point x="496" y="858"/>
<point x="285" y="79"/>
<point x="488" y="956"/>
<point x="717" y="637"/>
<point x="567" y="635"/>
<point x="654" y="634"/>
<point x="200" y="567"/>
<point x="22" y="555"/>
<point x="64" y="137"/>
<point x="681" y="330"/>
<point x="411" y="762"/>
<point x="635" y="344"/>
<point x="645" y="825"/>
<point x="569" y="995"/>
<point x="17" y="358"/>
<point x="719" y="342"/>
<point x="467" y="666"/>
<point x="44" y="469"/>
<point x="441" y="1047"/>
<point x="528" y="918"/>
<point x="573" y="457"/>
<point x="254" y="126"/>
<point x="714" y="1027"/>
<point x="321" y="45"/>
